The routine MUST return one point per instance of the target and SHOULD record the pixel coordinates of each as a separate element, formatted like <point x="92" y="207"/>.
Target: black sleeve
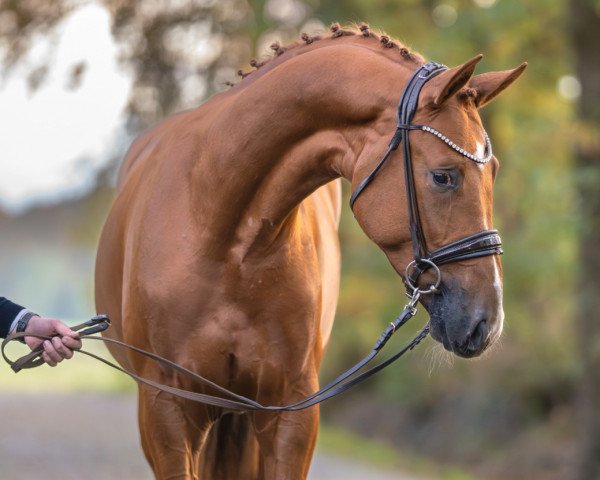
<point x="8" y="312"/>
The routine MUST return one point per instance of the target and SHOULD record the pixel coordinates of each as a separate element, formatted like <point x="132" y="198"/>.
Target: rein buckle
<point x="96" y="324"/>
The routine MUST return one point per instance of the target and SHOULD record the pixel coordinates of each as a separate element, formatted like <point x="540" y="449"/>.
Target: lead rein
<point x="239" y="402"/>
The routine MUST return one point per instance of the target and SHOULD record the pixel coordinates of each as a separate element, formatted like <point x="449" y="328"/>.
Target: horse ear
<point x="446" y="84"/>
<point x="490" y="84"/>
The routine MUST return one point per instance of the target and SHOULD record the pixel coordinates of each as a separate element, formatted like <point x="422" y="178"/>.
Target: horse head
<point x="453" y="172"/>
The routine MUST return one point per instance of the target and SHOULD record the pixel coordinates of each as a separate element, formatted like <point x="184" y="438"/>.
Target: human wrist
<point x="18" y="316"/>
<point x="22" y="322"/>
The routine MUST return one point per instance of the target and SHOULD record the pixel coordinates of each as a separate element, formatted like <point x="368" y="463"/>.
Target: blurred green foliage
<point x="531" y="128"/>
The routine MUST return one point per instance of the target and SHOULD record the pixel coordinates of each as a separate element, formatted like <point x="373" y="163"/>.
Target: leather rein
<point x="484" y="243"/>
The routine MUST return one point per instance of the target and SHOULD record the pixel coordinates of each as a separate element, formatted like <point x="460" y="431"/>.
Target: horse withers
<point x="221" y="251"/>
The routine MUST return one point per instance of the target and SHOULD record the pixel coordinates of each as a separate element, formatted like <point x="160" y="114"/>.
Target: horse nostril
<point x="474" y="342"/>
<point x="478" y="337"/>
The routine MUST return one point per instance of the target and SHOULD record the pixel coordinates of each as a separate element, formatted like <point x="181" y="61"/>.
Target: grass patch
<point x="347" y="444"/>
<point x="344" y="443"/>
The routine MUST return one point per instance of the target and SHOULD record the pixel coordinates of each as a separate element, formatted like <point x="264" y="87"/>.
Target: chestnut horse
<point x="221" y="250"/>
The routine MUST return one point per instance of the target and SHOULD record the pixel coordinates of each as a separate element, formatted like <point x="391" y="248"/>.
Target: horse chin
<point x="440" y="336"/>
<point x="438" y="333"/>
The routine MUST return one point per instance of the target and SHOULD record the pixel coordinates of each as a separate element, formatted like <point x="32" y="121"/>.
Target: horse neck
<point x="278" y="140"/>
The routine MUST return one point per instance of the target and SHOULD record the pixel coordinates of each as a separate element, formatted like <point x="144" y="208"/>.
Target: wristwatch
<point x="24" y="321"/>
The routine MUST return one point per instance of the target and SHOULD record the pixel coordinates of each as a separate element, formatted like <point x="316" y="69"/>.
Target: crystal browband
<point x="462" y="151"/>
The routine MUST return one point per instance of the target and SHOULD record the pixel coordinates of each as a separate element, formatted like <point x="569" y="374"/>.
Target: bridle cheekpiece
<point x="486" y="242"/>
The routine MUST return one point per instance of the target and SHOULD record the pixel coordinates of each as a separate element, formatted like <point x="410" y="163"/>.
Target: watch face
<point x="22" y="323"/>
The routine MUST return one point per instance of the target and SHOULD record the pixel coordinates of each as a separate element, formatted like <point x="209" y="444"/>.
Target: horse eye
<point x="443" y="179"/>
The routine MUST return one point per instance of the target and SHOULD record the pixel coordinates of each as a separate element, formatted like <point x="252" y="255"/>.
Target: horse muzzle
<point x="462" y="328"/>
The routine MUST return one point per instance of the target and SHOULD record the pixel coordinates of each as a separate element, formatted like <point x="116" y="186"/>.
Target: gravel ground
<point x="96" y="438"/>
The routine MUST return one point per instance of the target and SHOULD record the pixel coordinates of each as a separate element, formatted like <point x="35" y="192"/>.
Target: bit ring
<point x="433" y="287"/>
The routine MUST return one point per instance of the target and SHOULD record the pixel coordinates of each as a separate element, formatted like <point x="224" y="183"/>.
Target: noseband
<point x="486" y="242"/>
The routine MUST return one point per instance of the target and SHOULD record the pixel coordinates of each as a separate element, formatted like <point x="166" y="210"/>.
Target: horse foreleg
<point x="287" y="441"/>
<point x="171" y="444"/>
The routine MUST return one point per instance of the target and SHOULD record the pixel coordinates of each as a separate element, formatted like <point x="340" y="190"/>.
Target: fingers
<point x="48" y="360"/>
<point x="50" y="355"/>
<point x="69" y="337"/>
<point x="72" y="343"/>
<point x="63" y="330"/>
<point x="61" y="349"/>
<point x="63" y="342"/>
<point x="55" y="351"/>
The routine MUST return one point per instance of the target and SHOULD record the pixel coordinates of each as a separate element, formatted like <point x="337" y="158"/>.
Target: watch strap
<point x="24" y="321"/>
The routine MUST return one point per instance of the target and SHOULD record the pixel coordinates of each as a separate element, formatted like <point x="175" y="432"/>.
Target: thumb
<point x="63" y="330"/>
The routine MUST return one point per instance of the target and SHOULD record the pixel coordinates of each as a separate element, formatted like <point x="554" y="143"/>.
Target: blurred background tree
<point x="512" y="414"/>
<point x="585" y="33"/>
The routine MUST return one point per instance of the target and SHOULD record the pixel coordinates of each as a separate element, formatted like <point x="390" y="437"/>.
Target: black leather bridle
<point x="486" y="242"/>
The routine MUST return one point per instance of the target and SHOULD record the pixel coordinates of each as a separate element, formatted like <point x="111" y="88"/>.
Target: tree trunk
<point x="585" y="35"/>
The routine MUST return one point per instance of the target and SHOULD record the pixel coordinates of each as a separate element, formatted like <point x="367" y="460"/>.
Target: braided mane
<point x="356" y="30"/>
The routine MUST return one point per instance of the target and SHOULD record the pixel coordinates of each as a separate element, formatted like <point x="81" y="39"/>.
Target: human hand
<point x="57" y="349"/>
